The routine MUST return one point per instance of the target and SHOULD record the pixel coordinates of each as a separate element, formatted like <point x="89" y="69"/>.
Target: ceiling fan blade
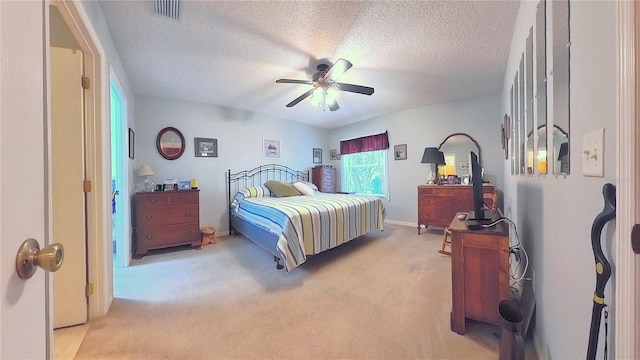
<point x="334" y="105"/>
<point x="292" y="81"/>
<point x="365" y="90"/>
<point x="340" y="67"/>
<point x="300" y="98"/>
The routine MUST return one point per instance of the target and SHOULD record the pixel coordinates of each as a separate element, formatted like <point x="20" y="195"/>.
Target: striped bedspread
<point x="308" y="225"/>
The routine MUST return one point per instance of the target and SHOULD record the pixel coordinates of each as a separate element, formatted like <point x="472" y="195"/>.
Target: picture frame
<point x="333" y="154"/>
<point x="505" y="130"/>
<point x="132" y="143"/>
<point x="205" y="147"/>
<point x="271" y="149"/>
<point x="463" y="165"/>
<point x="400" y="152"/>
<point x="167" y="187"/>
<point x="184" y="185"/>
<point x="317" y="156"/>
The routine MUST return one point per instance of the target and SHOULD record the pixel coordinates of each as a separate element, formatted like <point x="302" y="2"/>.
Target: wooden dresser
<point x="438" y="204"/>
<point x="165" y="218"/>
<point x="324" y="177"/>
<point x="479" y="273"/>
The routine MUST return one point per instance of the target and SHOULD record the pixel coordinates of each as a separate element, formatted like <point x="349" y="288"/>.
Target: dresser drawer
<point x="152" y="199"/>
<point x="163" y="236"/>
<point x="183" y="198"/>
<point x="168" y="215"/>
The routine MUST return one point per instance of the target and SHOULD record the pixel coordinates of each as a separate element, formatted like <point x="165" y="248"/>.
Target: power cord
<point x="516" y="249"/>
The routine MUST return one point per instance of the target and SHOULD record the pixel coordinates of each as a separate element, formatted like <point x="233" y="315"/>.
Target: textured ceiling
<point x="229" y="53"/>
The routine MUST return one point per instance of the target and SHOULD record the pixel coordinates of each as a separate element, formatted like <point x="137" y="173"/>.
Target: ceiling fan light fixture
<point x="318" y="97"/>
<point x="325" y="88"/>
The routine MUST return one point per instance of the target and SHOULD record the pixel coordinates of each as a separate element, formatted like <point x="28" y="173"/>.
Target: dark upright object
<point x="511" y="343"/>
<point x="603" y="269"/>
<point x="478" y="216"/>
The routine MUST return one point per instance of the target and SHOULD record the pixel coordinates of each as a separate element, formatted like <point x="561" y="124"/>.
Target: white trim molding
<point x="626" y="320"/>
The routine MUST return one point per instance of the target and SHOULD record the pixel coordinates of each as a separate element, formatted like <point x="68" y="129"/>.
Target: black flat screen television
<point x="478" y="216"/>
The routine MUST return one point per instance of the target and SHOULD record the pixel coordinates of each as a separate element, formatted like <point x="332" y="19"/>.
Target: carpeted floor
<point x="383" y="296"/>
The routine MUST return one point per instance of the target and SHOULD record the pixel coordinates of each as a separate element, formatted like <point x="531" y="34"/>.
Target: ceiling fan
<point x="324" y="85"/>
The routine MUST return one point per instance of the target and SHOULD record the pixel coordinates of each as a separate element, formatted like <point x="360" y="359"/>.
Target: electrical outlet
<point x="593" y="153"/>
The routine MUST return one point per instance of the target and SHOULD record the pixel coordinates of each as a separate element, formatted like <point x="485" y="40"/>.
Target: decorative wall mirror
<point x="540" y="51"/>
<point x="532" y="150"/>
<point x="521" y="119"/>
<point x="560" y="76"/>
<point x="514" y="128"/>
<point x="529" y="124"/>
<point x="170" y="143"/>
<point x="456" y="148"/>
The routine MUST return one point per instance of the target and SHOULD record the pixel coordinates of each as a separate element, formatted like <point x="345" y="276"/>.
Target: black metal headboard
<point x="258" y="176"/>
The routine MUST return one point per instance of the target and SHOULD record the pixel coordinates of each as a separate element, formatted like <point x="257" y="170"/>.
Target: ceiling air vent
<point x="167" y="8"/>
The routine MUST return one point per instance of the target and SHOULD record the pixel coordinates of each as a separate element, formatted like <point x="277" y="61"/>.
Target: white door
<point x="67" y="175"/>
<point x="25" y="331"/>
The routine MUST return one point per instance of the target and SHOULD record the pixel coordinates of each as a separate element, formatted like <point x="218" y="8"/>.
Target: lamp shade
<point x="432" y="155"/>
<point x="145" y="170"/>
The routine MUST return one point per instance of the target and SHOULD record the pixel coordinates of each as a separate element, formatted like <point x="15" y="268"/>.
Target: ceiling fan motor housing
<point x="322" y="71"/>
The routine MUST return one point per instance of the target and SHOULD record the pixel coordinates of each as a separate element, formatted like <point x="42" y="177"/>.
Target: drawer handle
<point x="149" y="217"/>
<point x="187" y="214"/>
<point x="188" y="232"/>
<point x="153" y="200"/>
<point x="184" y="198"/>
<point x="149" y="237"/>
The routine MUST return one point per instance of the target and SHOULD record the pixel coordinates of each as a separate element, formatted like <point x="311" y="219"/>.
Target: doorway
<point x="121" y="139"/>
<point x="67" y="151"/>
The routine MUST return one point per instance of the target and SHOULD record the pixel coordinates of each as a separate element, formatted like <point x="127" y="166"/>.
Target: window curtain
<point x="365" y="143"/>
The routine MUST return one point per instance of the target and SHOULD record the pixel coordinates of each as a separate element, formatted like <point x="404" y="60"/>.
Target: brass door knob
<point x="30" y="256"/>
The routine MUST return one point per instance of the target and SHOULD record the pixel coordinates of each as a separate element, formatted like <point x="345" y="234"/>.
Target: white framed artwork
<point x="270" y="149"/>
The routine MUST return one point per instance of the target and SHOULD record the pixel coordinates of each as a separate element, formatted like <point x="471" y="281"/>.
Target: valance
<point x="365" y="143"/>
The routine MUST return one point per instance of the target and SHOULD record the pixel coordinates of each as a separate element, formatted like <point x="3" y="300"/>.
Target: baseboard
<point x="401" y="223"/>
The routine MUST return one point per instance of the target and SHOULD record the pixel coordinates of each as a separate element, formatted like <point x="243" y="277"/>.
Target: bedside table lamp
<point x="433" y="157"/>
<point x="145" y="171"/>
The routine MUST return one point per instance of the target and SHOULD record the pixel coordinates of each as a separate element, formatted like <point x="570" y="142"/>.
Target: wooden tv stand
<point x="479" y="273"/>
<point x="438" y="204"/>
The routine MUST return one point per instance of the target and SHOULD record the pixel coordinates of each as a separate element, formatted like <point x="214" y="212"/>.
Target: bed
<point x="294" y="225"/>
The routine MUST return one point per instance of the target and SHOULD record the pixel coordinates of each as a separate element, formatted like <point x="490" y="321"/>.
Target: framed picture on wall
<point x="206" y="147"/>
<point x="400" y="152"/>
<point x="271" y="149"/>
<point x="132" y="142"/>
<point x="317" y="156"/>
<point x="333" y="154"/>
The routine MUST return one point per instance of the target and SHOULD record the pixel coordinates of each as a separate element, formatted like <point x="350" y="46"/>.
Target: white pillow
<point x="304" y="188"/>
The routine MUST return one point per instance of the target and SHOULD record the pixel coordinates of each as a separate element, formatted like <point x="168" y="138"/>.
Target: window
<point x="365" y="173"/>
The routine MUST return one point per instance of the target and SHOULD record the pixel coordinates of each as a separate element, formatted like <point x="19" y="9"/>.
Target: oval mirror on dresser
<point x="456" y="148"/>
<point x="170" y="143"/>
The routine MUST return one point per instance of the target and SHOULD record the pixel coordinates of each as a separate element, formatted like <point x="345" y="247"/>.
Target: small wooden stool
<point x="446" y="243"/>
<point x="208" y="235"/>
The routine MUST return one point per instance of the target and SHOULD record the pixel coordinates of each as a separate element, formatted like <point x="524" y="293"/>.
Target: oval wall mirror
<point x="456" y="148"/>
<point x="170" y="143"/>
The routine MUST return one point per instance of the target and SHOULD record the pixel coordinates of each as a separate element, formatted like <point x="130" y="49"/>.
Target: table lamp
<point x="433" y="157"/>
<point x="145" y="171"/>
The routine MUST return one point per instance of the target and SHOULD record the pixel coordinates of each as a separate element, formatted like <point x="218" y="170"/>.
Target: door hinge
<point x="85" y="83"/>
<point x="88" y="291"/>
<point x="86" y="185"/>
<point x="635" y="238"/>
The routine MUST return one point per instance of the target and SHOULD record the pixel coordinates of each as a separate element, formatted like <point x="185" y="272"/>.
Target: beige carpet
<point x="382" y="296"/>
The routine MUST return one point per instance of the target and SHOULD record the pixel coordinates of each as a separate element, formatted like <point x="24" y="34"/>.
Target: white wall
<point x="239" y="137"/>
<point x="424" y="127"/>
<point x="555" y="214"/>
